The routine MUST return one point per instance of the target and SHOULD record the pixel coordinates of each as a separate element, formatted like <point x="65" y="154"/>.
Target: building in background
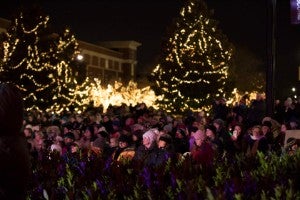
<point x="108" y="61"/>
<point x="4" y="23"/>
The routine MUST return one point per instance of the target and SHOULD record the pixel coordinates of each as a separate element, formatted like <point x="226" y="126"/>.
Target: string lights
<point x="116" y="94"/>
<point x="194" y="67"/>
<point x="40" y="63"/>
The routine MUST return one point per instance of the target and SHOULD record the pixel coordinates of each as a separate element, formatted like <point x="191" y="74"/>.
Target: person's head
<point x="180" y="133"/>
<point x="98" y="145"/>
<point x="292" y="144"/>
<point x="196" y="124"/>
<point x="219" y="124"/>
<point x="38" y="135"/>
<point x="124" y="141"/>
<point x="113" y="142"/>
<point x="116" y="124"/>
<point x="89" y="132"/>
<point x="30" y="118"/>
<point x="237" y="131"/>
<point x="294" y="124"/>
<point x="284" y="127"/>
<point x="164" y="140"/>
<point x="69" y="138"/>
<point x="256" y="131"/>
<point x="199" y="137"/>
<point x="91" y="116"/>
<point x="137" y="137"/>
<point x="53" y="131"/>
<point x="98" y="117"/>
<point x="79" y="118"/>
<point x="28" y="133"/>
<point x="266" y="127"/>
<point x="129" y="121"/>
<point x="238" y="128"/>
<point x="11" y="109"/>
<point x="106" y="118"/>
<point x="149" y="137"/>
<point x="210" y="131"/>
<point x="74" y="147"/>
<point x="140" y="120"/>
<point x="288" y="102"/>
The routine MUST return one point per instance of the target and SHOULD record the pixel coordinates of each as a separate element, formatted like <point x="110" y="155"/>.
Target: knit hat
<point x="151" y="135"/>
<point x="199" y="135"/>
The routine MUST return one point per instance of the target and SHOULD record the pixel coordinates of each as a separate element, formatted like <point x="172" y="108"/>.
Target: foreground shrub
<point x="93" y="177"/>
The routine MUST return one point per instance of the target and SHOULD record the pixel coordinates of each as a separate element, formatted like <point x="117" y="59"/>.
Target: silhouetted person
<point x="256" y="111"/>
<point x="14" y="156"/>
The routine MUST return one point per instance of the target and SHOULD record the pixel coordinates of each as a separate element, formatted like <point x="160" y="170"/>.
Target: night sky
<point x="243" y="21"/>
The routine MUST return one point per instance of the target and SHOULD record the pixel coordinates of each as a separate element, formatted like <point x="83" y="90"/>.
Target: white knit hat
<point x="151" y="135"/>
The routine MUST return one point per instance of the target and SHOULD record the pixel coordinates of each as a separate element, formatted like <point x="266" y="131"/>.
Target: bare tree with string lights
<point x="40" y="62"/>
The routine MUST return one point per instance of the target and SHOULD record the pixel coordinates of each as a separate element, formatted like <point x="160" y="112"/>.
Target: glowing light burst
<point x="237" y="96"/>
<point x="116" y="94"/>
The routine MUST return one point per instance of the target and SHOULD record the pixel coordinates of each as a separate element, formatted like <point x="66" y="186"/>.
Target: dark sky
<point x="144" y="21"/>
<point x="243" y="21"/>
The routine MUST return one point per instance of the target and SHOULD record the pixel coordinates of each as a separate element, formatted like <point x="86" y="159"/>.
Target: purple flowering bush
<point x="230" y="177"/>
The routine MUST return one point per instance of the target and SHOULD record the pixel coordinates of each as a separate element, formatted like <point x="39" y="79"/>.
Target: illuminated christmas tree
<point x="194" y="62"/>
<point x="41" y="63"/>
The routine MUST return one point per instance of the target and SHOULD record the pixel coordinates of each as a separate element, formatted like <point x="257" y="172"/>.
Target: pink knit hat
<point x="199" y="135"/>
<point x="151" y="135"/>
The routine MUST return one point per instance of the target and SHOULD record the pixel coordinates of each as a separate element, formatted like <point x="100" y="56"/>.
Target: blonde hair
<point x="258" y="127"/>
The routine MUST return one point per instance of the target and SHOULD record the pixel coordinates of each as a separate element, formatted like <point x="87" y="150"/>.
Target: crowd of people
<point x="152" y="137"/>
<point x="139" y="134"/>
